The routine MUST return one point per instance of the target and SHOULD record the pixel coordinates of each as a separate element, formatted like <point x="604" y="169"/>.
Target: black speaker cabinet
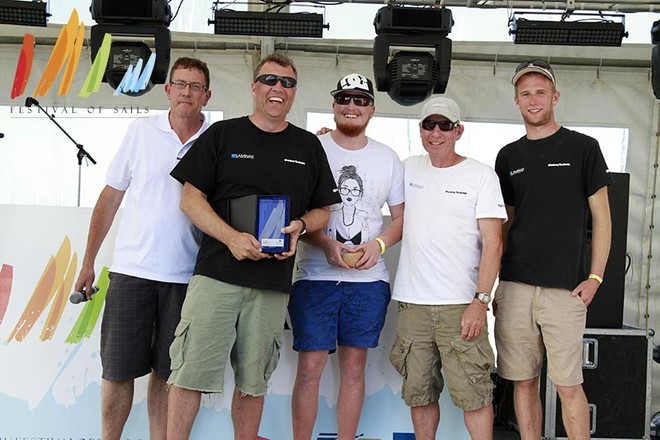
<point x="606" y="310"/>
<point x="616" y="366"/>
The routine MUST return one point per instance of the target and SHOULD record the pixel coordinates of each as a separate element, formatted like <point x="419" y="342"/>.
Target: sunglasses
<point x="270" y="80"/>
<point x="443" y="124"/>
<point x="360" y="101"/>
<point x="534" y="63"/>
<point x="540" y="66"/>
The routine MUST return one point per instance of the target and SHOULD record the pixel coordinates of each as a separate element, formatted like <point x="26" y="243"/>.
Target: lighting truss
<point x="274" y="24"/>
<point x="591" y="30"/>
<point x="24" y="13"/>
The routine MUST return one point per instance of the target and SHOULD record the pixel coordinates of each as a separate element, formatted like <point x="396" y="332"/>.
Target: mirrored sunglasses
<point x="443" y="124"/>
<point x="360" y="101"/>
<point x="270" y="80"/>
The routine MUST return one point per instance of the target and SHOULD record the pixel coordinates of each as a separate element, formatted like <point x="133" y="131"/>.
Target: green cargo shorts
<point x="219" y="320"/>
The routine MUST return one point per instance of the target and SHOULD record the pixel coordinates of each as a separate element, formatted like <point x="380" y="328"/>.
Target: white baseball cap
<point x="442" y="106"/>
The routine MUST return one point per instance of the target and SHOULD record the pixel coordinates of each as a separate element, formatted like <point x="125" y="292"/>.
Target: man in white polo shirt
<point x="155" y="251"/>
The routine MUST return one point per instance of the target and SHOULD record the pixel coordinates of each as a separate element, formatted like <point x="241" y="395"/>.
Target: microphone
<point x="2" y="135"/>
<point x="78" y="297"/>
<point x="29" y="102"/>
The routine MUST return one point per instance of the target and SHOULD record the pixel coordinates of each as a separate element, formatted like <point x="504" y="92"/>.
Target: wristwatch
<point x="484" y="297"/>
<point x="304" y="225"/>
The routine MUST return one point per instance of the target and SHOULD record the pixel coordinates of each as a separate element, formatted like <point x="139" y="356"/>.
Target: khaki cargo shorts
<point x="428" y="350"/>
<point x="533" y="320"/>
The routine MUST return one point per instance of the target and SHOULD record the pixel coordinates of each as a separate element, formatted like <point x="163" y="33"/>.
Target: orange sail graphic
<point x="60" y="301"/>
<point x="60" y="53"/>
<point x="72" y="64"/>
<point x="51" y="279"/>
<point x="6" y="278"/>
<point x="24" y="66"/>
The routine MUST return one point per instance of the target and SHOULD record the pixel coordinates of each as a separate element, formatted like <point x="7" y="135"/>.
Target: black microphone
<point x="78" y="297"/>
<point x="29" y="102"/>
<point x="2" y="135"/>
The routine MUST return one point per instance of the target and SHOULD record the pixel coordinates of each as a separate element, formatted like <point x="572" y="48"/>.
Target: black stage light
<point x="655" y="32"/>
<point x="154" y="12"/>
<point x="274" y="24"/>
<point x="413" y="21"/>
<point x="126" y="52"/>
<point x="131" y="22"/>
<point x="594" y="31"/>
<point x="24" y="13"/>
<point x="411" y="77"/>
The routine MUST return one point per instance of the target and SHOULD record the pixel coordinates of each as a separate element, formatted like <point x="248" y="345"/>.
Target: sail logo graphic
<point x="53" y="289"/>
<point x="65" y="57"/>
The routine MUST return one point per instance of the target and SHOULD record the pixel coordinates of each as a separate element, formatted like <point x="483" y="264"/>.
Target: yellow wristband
<point x="593" y="276"/>
<point x="381" y="243"/>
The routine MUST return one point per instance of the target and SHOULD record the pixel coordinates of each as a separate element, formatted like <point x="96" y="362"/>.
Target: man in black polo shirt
<point x="236" y="303"/>
<point x="551" y="179"/>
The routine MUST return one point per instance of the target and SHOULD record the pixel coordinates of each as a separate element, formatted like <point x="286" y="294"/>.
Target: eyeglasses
<point x="194" y="86"/>
<point x="360" y="101"/>
<point x="270" y="80"/>
<point x="344" y="191"/>
<point x="443" y="124"/>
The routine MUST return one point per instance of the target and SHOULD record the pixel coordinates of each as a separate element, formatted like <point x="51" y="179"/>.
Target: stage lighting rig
<point x="133" y="24"/>
<point x="274" y="24"/>
<point x="411" y="77"/>
<point x="23" y="13"/>
<point x="583" y="29"/>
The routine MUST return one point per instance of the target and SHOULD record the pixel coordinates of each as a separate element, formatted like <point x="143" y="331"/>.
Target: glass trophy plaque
<point x="264" y="217"/>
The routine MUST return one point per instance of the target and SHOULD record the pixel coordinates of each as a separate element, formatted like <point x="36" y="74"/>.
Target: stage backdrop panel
<point x="50" y="370"/>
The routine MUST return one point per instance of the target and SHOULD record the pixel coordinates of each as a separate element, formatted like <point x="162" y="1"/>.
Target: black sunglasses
<point x="270" y="80"/>
<point x="534" y="63"/>
<point x="443" y="124"/>
<point x="360" y="101"/>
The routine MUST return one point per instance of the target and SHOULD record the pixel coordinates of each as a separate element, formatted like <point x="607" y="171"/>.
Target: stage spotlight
<point x="655" y="32"/>
<point x="126" y="51"/>
<point x="274" y="24"/>
<point x="131" y="12"/>
<point x="411" y="77"/>
<point x="590" y="30"/>
<point x="24" y="13"/>
<point x="133" y="23"/>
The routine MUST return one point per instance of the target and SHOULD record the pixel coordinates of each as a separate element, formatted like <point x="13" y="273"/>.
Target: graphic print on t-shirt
<point x="348" y="221"/>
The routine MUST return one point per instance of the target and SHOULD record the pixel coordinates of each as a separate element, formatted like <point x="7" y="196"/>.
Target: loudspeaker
<point x="606" y="310"/>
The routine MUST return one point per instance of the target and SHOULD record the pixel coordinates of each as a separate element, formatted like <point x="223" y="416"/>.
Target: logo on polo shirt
<point x="416" y="185"/>
<point x="242" y="156"/>
<point x="299" y="162"/>
<point x="450" y="191"/>
<point x="559" y="164"/>
<point x="518" y="171"/>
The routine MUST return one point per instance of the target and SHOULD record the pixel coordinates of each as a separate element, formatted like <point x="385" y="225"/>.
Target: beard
<point x="351" y="129"/>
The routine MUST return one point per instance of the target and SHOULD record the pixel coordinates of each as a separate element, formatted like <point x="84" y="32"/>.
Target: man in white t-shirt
<point x="450" y="256"/>
<point x="154" y="254"/>
<point x="341" y="285"/>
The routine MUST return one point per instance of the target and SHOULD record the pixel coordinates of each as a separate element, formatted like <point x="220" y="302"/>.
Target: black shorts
<point x="138" y="326"/>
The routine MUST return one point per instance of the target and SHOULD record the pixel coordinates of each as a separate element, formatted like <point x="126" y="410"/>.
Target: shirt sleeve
<point x="199" y="165"/>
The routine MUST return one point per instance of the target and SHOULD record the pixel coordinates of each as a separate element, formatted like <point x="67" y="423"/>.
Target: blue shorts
<point x="325" y="314"/>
